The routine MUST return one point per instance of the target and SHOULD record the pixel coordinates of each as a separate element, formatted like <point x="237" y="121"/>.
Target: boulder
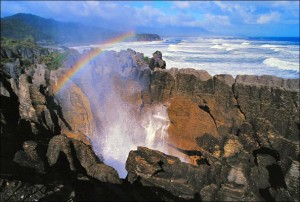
<point x="156" y="61"/>
<point x="29" y="157"/>
<point x="154" y="168"/>
<point x="218" y="181"/>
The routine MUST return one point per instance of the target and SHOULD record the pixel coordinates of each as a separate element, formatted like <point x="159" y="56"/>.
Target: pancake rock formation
<point x="181" y="134"/>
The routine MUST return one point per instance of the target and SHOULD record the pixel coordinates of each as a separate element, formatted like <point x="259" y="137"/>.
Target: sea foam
<point x="224" y="55"/>
<point x="281" y="64"/>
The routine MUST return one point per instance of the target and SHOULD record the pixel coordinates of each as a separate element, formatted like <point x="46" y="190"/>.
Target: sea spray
<point x="156" y="124"/>
<point x="112" y="84"/>
<point x="124" y="135"/>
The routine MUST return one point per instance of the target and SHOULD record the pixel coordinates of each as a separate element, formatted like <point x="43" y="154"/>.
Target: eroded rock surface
<point x="222" y="179"/>
<point x="76" y="151"/>
<point x="239" y="136"/>
<point x="156" y="61"/>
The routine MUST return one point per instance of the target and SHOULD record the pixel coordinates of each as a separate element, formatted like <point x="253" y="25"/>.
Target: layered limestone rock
<point x="224" y="178"/>
<point x="230" y="104"/>
<point x="154" y="168"/>
<point x="78" y="120"/>
<point x="212" y="122"/>
<point x="31" y="115"/>
<point x="75" y="150"/>
<point x="239" y="137"/>
<point x="245" y="119"/>
<point x="277" y="108"/>
<point x="218" y="182"/>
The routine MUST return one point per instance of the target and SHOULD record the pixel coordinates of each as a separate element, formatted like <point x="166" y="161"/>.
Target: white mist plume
<point x="156" y="124"/>
<point x="122" y="125"/>
<point x="125" y="133"/>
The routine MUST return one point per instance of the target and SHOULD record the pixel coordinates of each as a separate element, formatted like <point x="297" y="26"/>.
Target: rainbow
<point x="88" y="57"/>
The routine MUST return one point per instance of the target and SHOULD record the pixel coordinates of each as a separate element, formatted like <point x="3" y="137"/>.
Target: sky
<point x="234" y="18"/>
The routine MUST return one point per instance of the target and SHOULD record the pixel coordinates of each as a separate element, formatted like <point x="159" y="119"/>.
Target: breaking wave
<point x="281" y="64"/>
<point x="224" y="55"/>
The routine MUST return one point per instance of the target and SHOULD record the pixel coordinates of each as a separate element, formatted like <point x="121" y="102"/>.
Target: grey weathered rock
<point x="269" y="81"/>
<point x="26" y="108"/>
<point x="13" y="190"/>
<point x="29" y="157"/>
<point x="58" y="144"/>
<point x="292" y="179"/>
<point x="75" y="150"/>
<point x="243" y="133"/>
<point x="39" y="76"/>
<point x="3" y="91"/>
<point x="154" y="168"/>
<point x="13" y="69"/>
<point x="93" y="165"/>
<point x="156" y="61"/>
<point x="201" y="74"/>
<point x="209" y="182"/>
<point x="209" y="193"/>
<point x="260" y="176"/>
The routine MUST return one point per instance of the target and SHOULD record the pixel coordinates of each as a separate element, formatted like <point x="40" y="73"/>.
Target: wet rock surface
<point x="239" y="136"/>
<point x="250" y="126"/>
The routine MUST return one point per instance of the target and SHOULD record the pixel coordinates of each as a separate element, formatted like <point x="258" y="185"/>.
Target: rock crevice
<point x="239" y="137"/>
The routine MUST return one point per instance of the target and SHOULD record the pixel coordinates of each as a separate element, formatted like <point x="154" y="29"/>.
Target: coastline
<point x="216" y="126"/>
<point x="233" y="56"/>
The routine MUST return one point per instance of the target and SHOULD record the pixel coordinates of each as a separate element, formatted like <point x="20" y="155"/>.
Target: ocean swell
<point x="281" y="64"/>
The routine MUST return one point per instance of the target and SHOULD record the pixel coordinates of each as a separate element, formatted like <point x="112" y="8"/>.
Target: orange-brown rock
<point x="242" y="134"/>
<point x="78" y="118"/>
<point x="198" y="104"/>
<point x="188" y="122"/>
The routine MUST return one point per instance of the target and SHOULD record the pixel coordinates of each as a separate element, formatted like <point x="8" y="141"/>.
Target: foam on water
<point x="123" y="132"/>
<point x="281" y="64"/>
<point x="224" y="55"/>
<point x="218" y="47"/>
<point x="245" y="43"/>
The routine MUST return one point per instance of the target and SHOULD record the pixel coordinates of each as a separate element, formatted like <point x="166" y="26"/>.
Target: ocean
<point x="224" y="55"/>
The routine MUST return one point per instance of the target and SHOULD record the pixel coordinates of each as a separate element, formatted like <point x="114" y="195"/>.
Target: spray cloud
<point x="113" y="85"/>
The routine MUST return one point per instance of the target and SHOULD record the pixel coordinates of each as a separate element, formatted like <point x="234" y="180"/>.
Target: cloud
<point x="268" y="18"/>
<point x="240" y="13"/>
<point x="146" y="15"/>
<point x="180" y="19"/>
<point x="212" y="15"/>
<point x="182" y="4"/>
<point x="217" y="20"/>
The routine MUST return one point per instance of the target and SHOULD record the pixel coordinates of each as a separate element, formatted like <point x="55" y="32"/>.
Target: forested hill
<point x="22" y="26"/>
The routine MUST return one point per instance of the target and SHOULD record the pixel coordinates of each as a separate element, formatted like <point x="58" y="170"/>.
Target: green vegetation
<point x="20" y="26"/>
<point x="13" y="46"/>
<point x="49" y="31"/>
<point x="12" y="43"/>
<point x="54" y="60"/>
<point x="146" y="59"/>
<point x="51" y="58"/>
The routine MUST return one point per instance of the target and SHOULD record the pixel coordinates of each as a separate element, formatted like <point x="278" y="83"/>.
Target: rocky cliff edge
<point x="239" y="136"/>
